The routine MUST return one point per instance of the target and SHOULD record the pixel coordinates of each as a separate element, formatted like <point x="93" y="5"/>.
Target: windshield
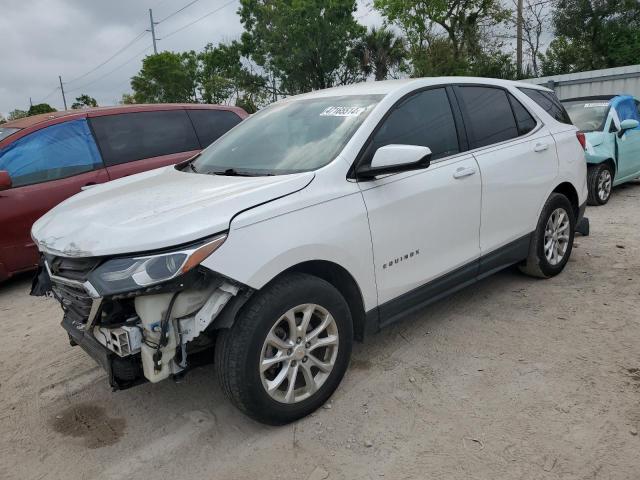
<point x="588" y="115"/>
<point x="6" y="131"/>
<point x="288" y="137"/>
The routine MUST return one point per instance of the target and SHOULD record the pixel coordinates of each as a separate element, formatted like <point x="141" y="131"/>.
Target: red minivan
<point x="45" y="159"/>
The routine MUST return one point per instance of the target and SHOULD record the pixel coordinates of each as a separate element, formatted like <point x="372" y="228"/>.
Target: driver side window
<point x="55" y="152"/>
<point x="424" y="119"/>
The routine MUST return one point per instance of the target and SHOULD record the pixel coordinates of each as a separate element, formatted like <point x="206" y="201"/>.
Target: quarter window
<point x="212" y="124"/>
<point x="52" y="153"/>
<point x="424" y="119"/>
<point x="489" y="118"/>
<point x="549" y="103"/>
<point x="133" y="136"/>
<point x="525" y="121"/>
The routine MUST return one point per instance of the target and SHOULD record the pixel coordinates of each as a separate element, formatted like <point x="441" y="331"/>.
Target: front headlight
<point x="131" y="273"/>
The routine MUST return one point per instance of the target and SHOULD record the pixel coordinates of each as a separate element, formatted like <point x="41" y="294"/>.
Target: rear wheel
<point x="552" y="242"/>
<point x="600" y="182"/>
<point x="288" y="350"/>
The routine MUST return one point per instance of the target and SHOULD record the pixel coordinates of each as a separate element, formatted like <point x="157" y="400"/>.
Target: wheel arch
<point x="343" y="281"/>
<point x="568" y="190"/>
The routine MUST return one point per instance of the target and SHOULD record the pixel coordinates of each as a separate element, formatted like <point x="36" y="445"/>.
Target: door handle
<point x="540" y="147"/>
<point x="464" y="172"/>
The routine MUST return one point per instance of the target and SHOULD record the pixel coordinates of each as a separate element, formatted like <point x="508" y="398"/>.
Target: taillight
<point x="582" y="139"/>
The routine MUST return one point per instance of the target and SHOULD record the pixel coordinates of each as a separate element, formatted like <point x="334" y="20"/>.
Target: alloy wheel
<point x="299" y="353"/>
<point x="556" y="236"/>
<point x="604" y="184"/>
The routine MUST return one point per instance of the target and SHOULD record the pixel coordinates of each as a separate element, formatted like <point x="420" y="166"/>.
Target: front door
<point x="423" y="223"/>
<point x="46" y="167"/>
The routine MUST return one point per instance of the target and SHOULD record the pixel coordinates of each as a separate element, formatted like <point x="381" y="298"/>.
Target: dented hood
<point x="156" y="209"/>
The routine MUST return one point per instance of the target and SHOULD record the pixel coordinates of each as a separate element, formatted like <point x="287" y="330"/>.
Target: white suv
<point x="320" y="219"/>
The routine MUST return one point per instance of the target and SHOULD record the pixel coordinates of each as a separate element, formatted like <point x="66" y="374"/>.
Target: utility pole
<point x="153" y="32"/>
<point x="64" y="100"/>
<point x="519" y="21"/>
<point x="30" y="102"/>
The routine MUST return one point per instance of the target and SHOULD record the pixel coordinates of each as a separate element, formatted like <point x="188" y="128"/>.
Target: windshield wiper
<point x="232" y="172"/>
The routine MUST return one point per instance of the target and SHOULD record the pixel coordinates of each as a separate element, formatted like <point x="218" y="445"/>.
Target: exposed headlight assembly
<point x="131" y="273"/>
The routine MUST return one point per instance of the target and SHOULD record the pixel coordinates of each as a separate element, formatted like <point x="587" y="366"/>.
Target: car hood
<point x="153" y="210"/>
<point x="594" y="138"/>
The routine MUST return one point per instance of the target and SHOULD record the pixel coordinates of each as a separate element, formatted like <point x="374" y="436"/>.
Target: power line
<point x="126" y="62"/>
<point x="122" y="49"/>
<point x="198" y="19"/>
<point x="178" y="11"/>
<point x="49" y="94"/>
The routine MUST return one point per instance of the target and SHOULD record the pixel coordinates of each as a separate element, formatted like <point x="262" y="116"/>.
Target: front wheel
<point x="600" y="182"/>
<point x="287" y="351"/>
<point x="552" y="241"/>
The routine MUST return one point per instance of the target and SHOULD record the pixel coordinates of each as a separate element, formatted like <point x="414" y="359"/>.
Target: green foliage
<point x="84" y="101"/>
<point x="303" y="44"/>
<point x="443" y="36"/>
<point x="16" y="114"/>
<point x="593" y="34"/>
<point x="167" y="77"/>
<point x="40" y="108"/>
<point x="127" y="99"/>
<point x="381" y="53"/>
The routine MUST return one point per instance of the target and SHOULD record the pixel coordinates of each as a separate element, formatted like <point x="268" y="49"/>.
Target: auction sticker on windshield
<point x="337" y="111"/>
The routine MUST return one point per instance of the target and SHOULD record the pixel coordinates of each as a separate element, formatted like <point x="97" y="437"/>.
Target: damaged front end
<point x="142" y="318"/>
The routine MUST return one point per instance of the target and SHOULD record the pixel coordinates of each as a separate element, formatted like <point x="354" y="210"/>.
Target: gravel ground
<point x="512" y="378"/>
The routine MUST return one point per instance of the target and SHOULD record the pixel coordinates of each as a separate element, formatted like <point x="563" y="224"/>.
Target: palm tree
<point x="380" y="52"/>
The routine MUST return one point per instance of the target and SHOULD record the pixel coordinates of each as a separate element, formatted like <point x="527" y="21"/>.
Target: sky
<point x="41" y="39"/>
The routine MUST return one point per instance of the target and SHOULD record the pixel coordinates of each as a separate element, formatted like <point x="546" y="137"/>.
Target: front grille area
<point x="75" y="302"/>
<point x="72" y="268"/>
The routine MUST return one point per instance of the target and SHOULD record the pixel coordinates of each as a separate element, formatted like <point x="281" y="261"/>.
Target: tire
<point x="538" y="264"/>
<point x="241" y="349"/>
<point x="600" y="182"/>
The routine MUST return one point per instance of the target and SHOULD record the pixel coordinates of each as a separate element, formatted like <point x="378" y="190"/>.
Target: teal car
<point x="611" y="126"/>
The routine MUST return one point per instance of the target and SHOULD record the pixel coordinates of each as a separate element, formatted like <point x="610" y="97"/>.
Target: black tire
<point x="537" y="264"/>
<point x="594" y="172"/>
<point x="239" y="349"/>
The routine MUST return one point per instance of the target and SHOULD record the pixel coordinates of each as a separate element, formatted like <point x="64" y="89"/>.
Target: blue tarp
<point x="54" y="152"/>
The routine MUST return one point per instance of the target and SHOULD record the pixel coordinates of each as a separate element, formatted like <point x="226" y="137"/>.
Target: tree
<point x="84" y="101"/>
<point x="16" y="114"/>
<point x="452" y="30"/>
<point x="167" y="77"/>
<point x="127" y="99"/>
<point x="380" y="52"/>
<point x="2" y="119"/>
<point x="593" y="34"/>
<point x="302" y="45"/>
<point x="40" y="108"/>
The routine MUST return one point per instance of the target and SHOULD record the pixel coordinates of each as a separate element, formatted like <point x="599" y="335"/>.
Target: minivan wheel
<point x="552" y="241"/>
<point x="600" y="182"/>
<point x="287" y="351"/>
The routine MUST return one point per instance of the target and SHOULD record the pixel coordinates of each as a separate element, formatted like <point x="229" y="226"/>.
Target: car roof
<point x="386" y="87"/>
<point x="113" y="110"/>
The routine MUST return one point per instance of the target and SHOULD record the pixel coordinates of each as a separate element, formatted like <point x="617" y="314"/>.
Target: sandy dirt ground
<point x="513" y="378"/>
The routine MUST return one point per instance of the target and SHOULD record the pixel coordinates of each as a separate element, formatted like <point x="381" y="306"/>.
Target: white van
<point x="318" y="220"/>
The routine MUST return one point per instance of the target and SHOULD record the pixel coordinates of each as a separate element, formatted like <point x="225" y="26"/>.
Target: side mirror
<point x="5" y="180"/>
<point x="395" y="159"/>
<point x="629" y="124"/>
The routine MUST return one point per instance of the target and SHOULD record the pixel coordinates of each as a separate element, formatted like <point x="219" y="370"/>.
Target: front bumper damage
<point x="125" y="333"/>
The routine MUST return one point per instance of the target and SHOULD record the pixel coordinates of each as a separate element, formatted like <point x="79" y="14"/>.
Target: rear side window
<point x="525" y="121"/>
<point x="549" y="103"/>
<point x="489" y="117"/>
<point x="133" y="136"/>
<point x="424" y="119"/>
<point x="212" y="124"/>
<point x="52" y="153"/>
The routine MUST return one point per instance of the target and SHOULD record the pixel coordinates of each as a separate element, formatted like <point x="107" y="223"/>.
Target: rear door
<point x="139" y="141"/>
<point x="46" y="167"/>
<point x="425" y="223"/>
<point x="518" y="162"/>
